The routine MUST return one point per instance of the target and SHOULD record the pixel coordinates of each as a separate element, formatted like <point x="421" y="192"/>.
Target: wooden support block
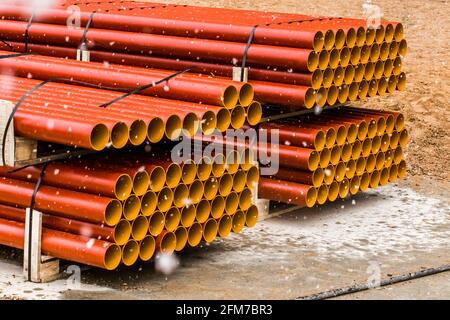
<point x="83" y="55"/>
<point x="16" y="148"/>
<point x="261" y="204"/>
<point x="25" y="149"/>
<point x="265" y="210"/>
<point x="37" y="268"/>
<point x="6" y="108"/>
<point x="237" y="71"/>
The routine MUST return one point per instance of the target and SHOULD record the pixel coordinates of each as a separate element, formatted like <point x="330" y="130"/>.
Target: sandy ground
<point x="394" y="230"/>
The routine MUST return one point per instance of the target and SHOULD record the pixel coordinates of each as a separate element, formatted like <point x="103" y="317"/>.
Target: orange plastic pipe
<point x="287" y="192"/>
<point x="142" y="61"/>
<point x="80" y="178"/>
<point x="61" y="224"/>
<point x="184" y="87"/>
<point x="63" y="245"/>
<point x="160" y="45"/>
<point x="294" y="135"/>
<point x="65" y="203"/>
<point x="95" y="97"/>
<point x="187" y="27"/>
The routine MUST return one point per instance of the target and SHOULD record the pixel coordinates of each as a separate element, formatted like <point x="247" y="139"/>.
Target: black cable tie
<point x="11" y="116"/>
<point x="252" y="36"/>
<point x="142" y="88"/>
<point x="15" y="55"/>
<point x="247" y="46"/>
<point x="40" y="85"/>
<point x="86" y="29"/>
<point x="8" y="45"/>
<point x="30" y="21"/>
<point x="32" y="204"/>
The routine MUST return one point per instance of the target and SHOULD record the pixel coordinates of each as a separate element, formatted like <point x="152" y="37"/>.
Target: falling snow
<point x="166" y="263"/>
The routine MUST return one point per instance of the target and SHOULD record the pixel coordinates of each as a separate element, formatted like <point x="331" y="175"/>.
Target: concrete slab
<point x="388" y="231"/>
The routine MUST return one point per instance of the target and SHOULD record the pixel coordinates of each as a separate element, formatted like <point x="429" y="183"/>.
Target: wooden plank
<point x="6" y="108"/>
<point x="60" y="155"/>
<point x="37" y="268"/>
<point x="237" y="71"/>
<point x="25" y="149"/>
<point x="83" y="55"/>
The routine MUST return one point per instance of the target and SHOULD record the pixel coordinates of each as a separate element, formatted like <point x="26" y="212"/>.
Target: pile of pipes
<point x="102" y="213"/>
<point x="191" y="103"/>
<point x="342" y="152"/>
<point x="125" y="79"/>
<point x="294" y="61"/>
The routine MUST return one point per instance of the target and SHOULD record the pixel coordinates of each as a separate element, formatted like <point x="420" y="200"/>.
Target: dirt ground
<point x="426" y="102"/>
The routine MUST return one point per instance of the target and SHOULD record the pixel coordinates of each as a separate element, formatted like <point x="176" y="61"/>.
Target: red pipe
<point x="36" y="126"/>
<point x="289" y="156"/>
<point x="61" y="224"/>
<point x="295" y="135"/>
<point x="175" y="26"/>
<point x="284" y="94"/>
<point x="81" y="178"/>
<point x="288" y="192"/>
<point x="398" y="116"/>
<point x="65" y="246"/>
<point x="96" y="97"/>
<point x="305" y="79"/>
<point x="65" y="203"/>
<point x="183" y="87"/>
<point x="161" y="45"/>
<point x="267" y="92"/>
<point x="304" y="177"/>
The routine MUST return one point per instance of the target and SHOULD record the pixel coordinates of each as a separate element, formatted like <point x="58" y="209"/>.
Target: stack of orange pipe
<point x="102" y="211"/>
<point x="351" y="150"/>
<point x="301" y="64"/>
<point x="71" y="115"/>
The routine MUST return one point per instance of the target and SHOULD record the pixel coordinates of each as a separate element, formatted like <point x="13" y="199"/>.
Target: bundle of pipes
<point x="103" y="212"/>
<point x="295" y="61"/>
<point x="340" y="153"/>
<point x="72" y="115"/>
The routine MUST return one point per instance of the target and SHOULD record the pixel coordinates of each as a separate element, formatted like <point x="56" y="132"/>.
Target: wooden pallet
<point x="17" y="149"/>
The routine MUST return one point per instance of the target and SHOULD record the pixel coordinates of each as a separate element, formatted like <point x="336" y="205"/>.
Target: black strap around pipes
<point x="105" y="105"/>
<point x="142" y="88"/>
<point x="30" y="21"/>
<point x="252" y="36"/>
<point x="32" y="204"/>
<point x="8" y="45"/>
<point x="26" y="41"/>
<point x="86" y="29"/>
<point x="15" y="55"/>
<point x="11" y="116"/>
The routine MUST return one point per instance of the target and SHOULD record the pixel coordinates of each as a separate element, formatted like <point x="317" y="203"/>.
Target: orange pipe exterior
<point x="184" y="87"/>
<point x="95" y="97"/>
<point x="58" y="244"/>
<point x="65" y="175"/>
<point x="61" y="224"/>
<point x="70" y="204"/>
<point x="292" y="134"/>
<point x="304" y="177"/>
<point x="141" y="61"/>
<point x="284" y="191"/>
<point x="187" y="27"/>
